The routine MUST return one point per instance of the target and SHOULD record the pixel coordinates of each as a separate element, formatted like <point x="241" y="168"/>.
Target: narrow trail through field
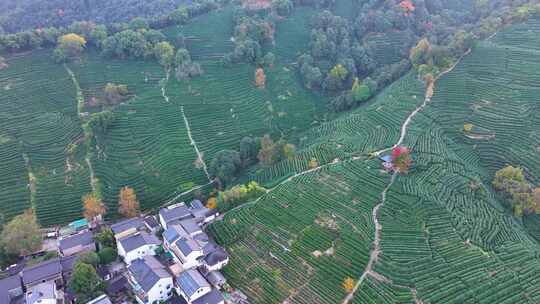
<point x="200" y="156"/>
<point x="375" y="251"/>
<point x="85" y="128"/>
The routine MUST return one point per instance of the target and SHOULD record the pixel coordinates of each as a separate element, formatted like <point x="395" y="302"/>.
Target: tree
<point x="115" y="93"/>
<point x="401" y="158"/>
<point x="268" y="153"/>
<point x="288" y="151"/>
<point x="313" y="163"/>
<point x="211" y="203"/>
<point x="260" y="78"/>
<point x="179" y="16"/>
<point x="282" y="7"/>
<point x="93" y="207"/>
<point x="138" y="23"/>
<point x="128" y="203"/>
<point x="21" y="236"/>
<point x="107" y="255"/>
<point x="348" y="284"/>
<point x="106" y="237"/>
<point x="225" y="165"/>
<point x="248" y="149"/>
<point x="69" y="46"/>
<point x="360" y="92"/>
<point x="85" y="282"/>
<point x="468" y="127"/>
<point x="90" y="258"/>
<point x="164" y="52"/>
<point x="421" y="53"/>
<point x="509" y="179"/>
<point x="268" y="59"/>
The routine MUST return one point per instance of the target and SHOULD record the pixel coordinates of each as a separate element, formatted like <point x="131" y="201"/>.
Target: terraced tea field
<point x="445" y="236"/>
<point x="148" y="146"/>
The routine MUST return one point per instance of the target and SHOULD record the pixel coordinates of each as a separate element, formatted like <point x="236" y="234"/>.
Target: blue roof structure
<point x="190" y="281"/>
<point x="386" y="158"/>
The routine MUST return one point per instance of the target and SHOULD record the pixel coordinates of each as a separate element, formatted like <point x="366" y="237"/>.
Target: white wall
<point x="218" y="266"/>
<point x="160" y="290"/>
<point x="138" y="253"/>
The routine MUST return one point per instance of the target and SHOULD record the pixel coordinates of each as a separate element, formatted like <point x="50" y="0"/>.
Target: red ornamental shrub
<point x="401" y="158"/>
<point x="408" y="6"/>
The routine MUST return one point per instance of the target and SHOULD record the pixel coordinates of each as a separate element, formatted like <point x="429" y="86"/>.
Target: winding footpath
<point x="192" y="142"/>
<point x="376" y="249"/>
<point x="84" y="126"/>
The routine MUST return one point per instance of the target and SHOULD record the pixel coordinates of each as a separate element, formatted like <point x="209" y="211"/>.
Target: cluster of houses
<point x="162" y="256"/>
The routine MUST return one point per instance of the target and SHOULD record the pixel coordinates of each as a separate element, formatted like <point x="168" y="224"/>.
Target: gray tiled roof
<point x="215" y="278"/>
<point x="176" y="213"/>
<point x="138" y="240"/>
<point x="103" y="299"/>
<point x="79" y="239"/>
<point x="187" y="246"/>
<point x="190" y="226"/>
<point x="43" y="291"/>
<point x="173" y="232"/>
<point x="216" y="256"/>
<point x="147" y="272"/>
<point x="151" y="222"/>
<point x="41" y="271"/>
<point x="124" y="225"/>
<point x="190" y="281"/>
<point x="196" y="204"/>
<point x="213" y="297"/>
<point x="8" y="285"/>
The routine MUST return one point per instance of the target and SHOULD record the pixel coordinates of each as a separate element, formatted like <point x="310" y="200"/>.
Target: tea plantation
<point x="446" y="236"/>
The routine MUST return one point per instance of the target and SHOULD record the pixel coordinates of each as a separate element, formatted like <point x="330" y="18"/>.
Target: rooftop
<point x="147" y="272"/>
<point x="190" y="226"/>
<point x="216" y="256"/>
<point x="213" y="297"/>
<point x="40" y="292"/>
<point x="138" y="240"/>
<point x="103" y="299"/>
<point x="173" y="232"/>
<point x="187" y="246"/>
<point x="41" y="271"/>
<point x="125" y="225"/>
<point x="176" y="212"/>
<point x="80" y="239"/>
<point x="190" y="281"/>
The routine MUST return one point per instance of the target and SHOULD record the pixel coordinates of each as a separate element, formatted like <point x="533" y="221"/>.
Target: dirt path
<point x="200" y="158"/>
<point x="85" y="128"/>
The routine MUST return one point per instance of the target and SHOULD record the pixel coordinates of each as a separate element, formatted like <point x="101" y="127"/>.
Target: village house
<point x="127" y="227"/>
<point x="11" y="289"/>
<point x="173" y="213"/>
<point x="216" y="260"/>
<point x="150" y="280"/>
<point x="43" y="293"/>
<point x="201" y="214"/>
<point x="137" y="245"/>
<point x="194" y="288"/>
<point x="48" y="271"/>
<point x="103" y="299"/>
<point x="215" y="278"/>
<point x="151" y="223"/>
<point x="74" y="244"/>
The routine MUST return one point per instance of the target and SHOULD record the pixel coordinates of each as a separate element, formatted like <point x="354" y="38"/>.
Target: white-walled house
<point x="174" y="213"/>
<point x="150" y="280"/>
<point x="43" y="293"/>
<point x="137" y="246"/>
<point x="127" y="227"/>
<point x="194" y="288"/>
<point x="187" y="252"/>
<point x="216" y="260"/>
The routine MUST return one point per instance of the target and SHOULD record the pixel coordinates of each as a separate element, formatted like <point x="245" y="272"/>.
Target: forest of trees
<point x="21" y="15"/>
<point x="341" y="59"/>
<point x="523" y="197"/>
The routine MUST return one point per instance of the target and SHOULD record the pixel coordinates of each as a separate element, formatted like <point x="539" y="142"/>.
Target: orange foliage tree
<point x="348" y="284"/>
<point x="211" y="203"/>
<point x="93" y="207"/>
<point x="128" y="203"/>
<point x="260" y="78"/>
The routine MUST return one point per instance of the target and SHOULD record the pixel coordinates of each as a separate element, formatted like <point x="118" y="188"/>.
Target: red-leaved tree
<point x="401" y="158"/>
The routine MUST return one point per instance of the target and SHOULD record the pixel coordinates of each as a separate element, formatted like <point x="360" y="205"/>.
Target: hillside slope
<point x="441" y="224"/>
